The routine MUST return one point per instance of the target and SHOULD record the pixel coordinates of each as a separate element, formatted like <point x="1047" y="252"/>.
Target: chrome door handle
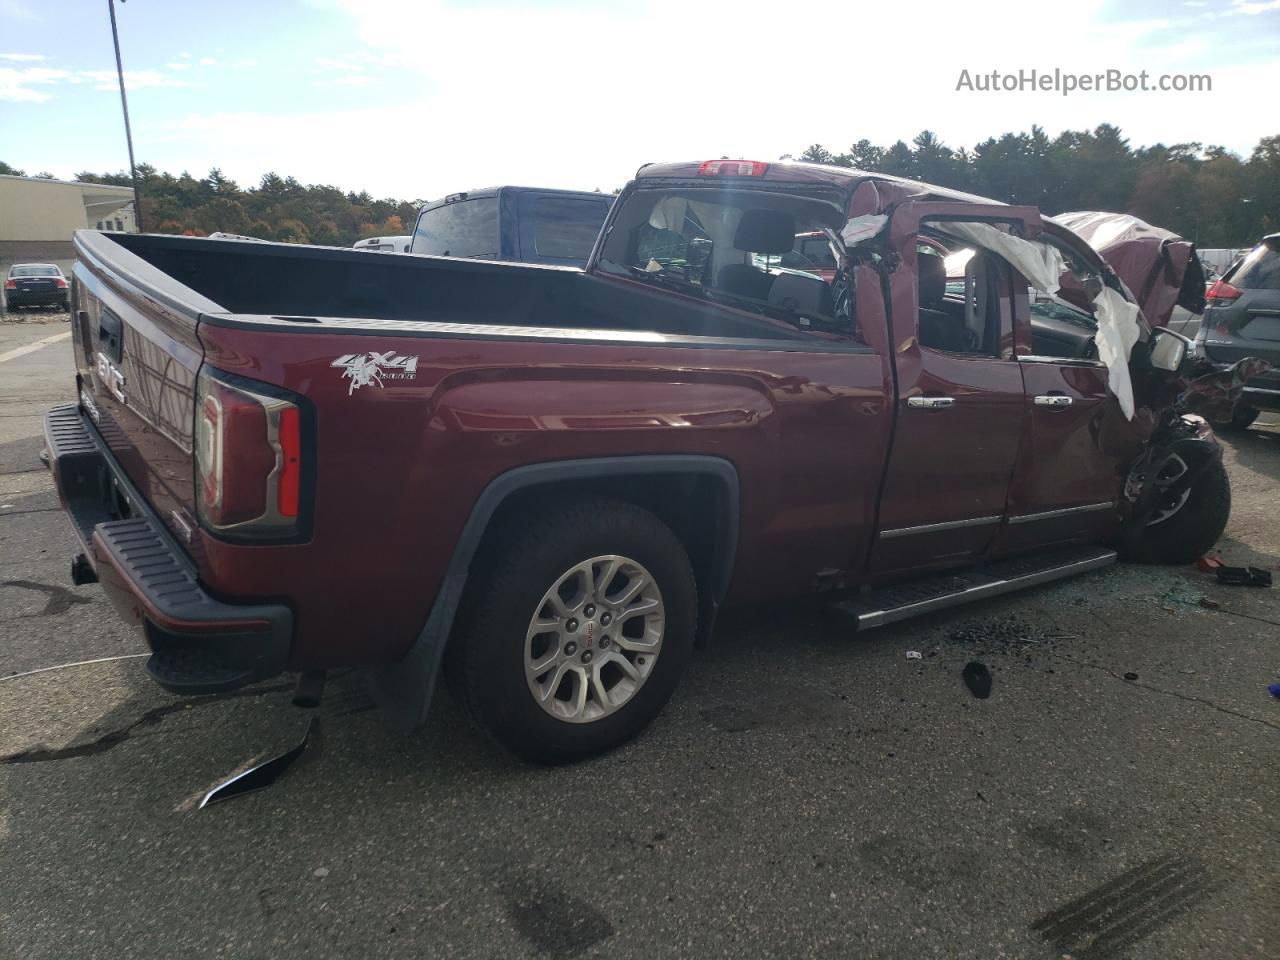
<point x="1053" y="400"/>
<point x="931" y="403"/>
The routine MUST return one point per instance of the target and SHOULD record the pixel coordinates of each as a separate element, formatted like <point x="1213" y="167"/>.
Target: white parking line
<point x="33" y="347"/>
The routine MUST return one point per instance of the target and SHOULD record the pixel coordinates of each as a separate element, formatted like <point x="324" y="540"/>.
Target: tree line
<point x="1205" y="193"/>
<point x="277" y="208"/>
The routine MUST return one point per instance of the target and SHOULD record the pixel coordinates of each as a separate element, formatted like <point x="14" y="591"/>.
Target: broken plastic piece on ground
<point x="1244" y="576"/>
<point x="914" y="655"/>
<point x="257" y="777"/>
<point x="1209" y="603"/>
<point x="1210" y="562"/>
<point x="977" y="678"/>
<point x="1274" y="689"/>
<point x="1131" y="676"/>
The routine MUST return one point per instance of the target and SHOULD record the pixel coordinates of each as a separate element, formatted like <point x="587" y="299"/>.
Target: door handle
<point x="1053" y="400"/>
<point x="931" y="403"/>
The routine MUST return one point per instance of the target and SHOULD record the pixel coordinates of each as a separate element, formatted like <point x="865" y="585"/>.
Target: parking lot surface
<point x="807" y="792"/>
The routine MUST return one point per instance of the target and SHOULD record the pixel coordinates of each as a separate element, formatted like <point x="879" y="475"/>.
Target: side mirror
<point x="1168" y="350"/>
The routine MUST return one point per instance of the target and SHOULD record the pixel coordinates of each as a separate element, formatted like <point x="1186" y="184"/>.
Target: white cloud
<point x="178" y="66"/>
<point x="1254" y="7"/>
<point x="23" y="57"/>
<point x="184" y="55"/>
<point x="207" y="61"/>
<point x="20" y="85"/>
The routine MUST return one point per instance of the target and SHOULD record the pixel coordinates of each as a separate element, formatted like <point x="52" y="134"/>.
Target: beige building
<point x="33" y="210"/>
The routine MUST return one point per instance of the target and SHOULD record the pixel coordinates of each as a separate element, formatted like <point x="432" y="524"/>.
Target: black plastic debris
<point x="1131" y="676"/>
<point x="263" y="775"/>
<point x="1244" y="576"/>
<point x="977" y="678"/>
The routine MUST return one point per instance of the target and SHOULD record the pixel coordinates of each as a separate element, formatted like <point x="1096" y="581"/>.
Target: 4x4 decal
<point x="364" y="369"/>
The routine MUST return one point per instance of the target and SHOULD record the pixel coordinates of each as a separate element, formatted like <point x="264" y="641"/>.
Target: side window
<point x="465" y="228"/>
<point x="566" y="227"/>
<point x="964" y="300"/>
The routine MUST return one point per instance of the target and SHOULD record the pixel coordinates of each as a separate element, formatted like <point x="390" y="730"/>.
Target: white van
<point x="384" y="244"/>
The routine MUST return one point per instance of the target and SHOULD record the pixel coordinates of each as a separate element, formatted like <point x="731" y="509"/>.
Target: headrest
<point x="765" y="231"/>
<point x="932" y="272"/>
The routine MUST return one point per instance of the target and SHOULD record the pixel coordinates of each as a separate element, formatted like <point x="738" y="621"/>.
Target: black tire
<point x="1241" y="419"/>
<point x="1188" y="534"/>
<point x="485" y="662"/>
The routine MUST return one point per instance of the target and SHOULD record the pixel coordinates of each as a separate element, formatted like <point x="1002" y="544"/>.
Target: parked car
<point x="383" y="244"/>
<point x="551" y="480"/>
<point x="524" y="224"/>
<point x="1243" y="320"/>
<point x="35" y="285"/>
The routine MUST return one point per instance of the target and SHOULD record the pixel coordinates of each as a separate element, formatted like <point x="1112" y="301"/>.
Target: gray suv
<point x="1242" y="319"/>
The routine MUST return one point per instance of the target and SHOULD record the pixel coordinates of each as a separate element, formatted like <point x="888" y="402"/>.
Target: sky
<point x="413" y="99"/>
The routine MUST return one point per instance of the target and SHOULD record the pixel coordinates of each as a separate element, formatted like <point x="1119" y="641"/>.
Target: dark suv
<point x="35" y="285"/>
<point x="1242" y="319"/>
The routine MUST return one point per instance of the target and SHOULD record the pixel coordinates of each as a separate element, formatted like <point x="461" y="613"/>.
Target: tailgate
<point x="137" y="357"/>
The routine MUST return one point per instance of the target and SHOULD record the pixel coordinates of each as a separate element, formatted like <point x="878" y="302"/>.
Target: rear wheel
<point x="575" y="631"/>
<point x="1186" y="526"/>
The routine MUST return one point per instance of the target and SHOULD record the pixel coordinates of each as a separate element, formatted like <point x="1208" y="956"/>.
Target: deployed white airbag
<point x="1040" y="263"/>
<point x="858" y="229"/>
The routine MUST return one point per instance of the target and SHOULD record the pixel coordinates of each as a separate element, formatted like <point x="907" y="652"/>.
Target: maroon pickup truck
<point x="544" y="482"/>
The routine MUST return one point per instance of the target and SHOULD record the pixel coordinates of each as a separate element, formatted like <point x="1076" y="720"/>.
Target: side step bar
<point x="917" y="597"/>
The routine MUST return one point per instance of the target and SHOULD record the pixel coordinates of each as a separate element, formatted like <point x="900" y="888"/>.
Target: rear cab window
<point x="35" y="270"/>
<point x="735" y="248"/>
<point x="459" y="228"/>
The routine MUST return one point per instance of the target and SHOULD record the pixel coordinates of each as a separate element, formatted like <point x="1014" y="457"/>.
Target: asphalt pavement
<point x="806" y="793"/>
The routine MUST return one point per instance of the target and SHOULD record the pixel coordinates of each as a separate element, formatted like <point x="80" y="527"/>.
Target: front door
<point x="960" y="403"/>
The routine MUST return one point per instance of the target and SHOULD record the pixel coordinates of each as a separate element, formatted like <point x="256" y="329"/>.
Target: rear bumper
<point x="199" y="644"/>
<point x="22" y="298"/>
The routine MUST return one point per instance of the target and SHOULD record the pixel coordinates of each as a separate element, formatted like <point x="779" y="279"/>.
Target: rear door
<point x="960" y="404"/>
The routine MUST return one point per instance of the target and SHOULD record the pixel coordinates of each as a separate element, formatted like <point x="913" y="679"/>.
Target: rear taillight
<point x="60" y="283"/>
<point x="1222" y="291"/>
<point x="249" y="459"/>
<point x="11" y="284"/>
<point x="732" y="168"/>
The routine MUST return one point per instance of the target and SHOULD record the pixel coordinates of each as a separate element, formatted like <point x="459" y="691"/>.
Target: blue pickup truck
<point x="524" y="224"/>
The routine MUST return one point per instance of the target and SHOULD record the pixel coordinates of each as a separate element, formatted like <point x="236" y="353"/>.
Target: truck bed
<point x="294" y="281"/>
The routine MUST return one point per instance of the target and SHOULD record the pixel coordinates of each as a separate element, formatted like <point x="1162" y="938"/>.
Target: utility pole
<point x="124" y="105"/>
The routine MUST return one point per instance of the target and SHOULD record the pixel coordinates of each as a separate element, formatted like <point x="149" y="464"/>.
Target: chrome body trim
<point x="1065" y="512"/>
<point x="937" y="527"/>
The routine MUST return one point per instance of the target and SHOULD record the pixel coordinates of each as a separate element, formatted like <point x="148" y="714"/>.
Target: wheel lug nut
<point x="570" y="649"/>
<point x="640" y="661"/>
<point x="589" y="610"/>
<point x="586" y="656"/>
<point x="604" y="643"/>
<point x="571" y="626"/>
<point x="605" y="620"/>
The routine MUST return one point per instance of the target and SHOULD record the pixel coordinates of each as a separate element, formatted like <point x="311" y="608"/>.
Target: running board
<point x="917" y="597"/>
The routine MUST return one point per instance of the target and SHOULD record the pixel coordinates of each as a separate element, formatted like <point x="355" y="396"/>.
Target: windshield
<point x="35" y="270"/>
<point x="769" y="253"/>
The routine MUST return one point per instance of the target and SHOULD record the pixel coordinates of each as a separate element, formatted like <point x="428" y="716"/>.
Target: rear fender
<point x="404" y="689"/>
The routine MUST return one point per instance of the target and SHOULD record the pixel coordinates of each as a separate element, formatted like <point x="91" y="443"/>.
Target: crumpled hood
<point x="1161" y="269"/>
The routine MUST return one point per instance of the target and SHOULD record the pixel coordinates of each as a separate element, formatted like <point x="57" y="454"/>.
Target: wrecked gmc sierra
<point x="544" y="482"/>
